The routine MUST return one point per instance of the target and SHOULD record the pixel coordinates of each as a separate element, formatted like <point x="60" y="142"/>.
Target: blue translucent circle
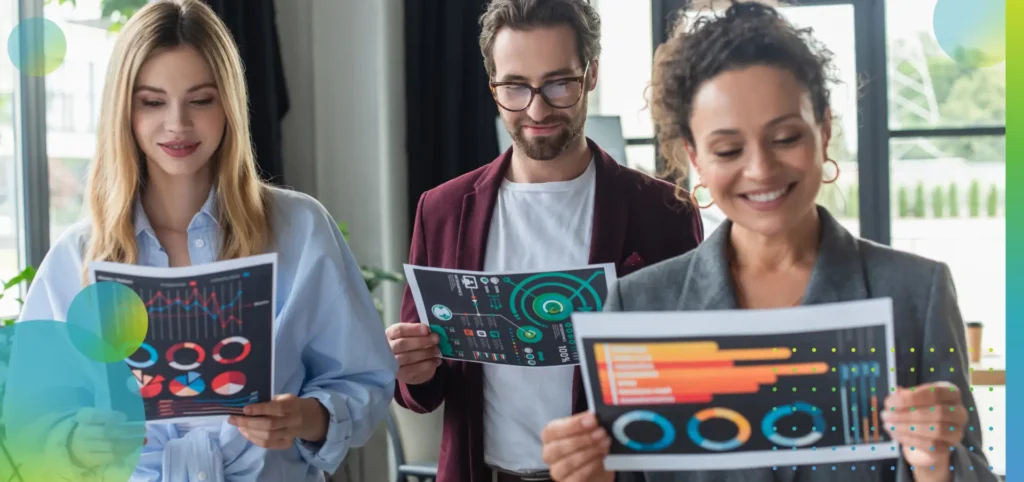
<point x="43" y="50"/>
<point x="973" y="37"/>
<point x="51" y="387"/>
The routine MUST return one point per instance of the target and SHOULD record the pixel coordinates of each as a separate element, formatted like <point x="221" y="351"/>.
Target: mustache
<point x="551" y="119"/>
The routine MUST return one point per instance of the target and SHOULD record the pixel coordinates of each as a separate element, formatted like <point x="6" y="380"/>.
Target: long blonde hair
<point x="116" y="176"/>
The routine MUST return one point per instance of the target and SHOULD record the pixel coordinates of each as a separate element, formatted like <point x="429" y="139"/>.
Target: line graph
<point x="210" y="335"/>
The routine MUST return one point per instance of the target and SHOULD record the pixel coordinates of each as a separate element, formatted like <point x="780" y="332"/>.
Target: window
<point x="948" y="159"/>
<point x="10" y="259"/>
<point x="73" y="96"/>
<point x="624" y="76"/>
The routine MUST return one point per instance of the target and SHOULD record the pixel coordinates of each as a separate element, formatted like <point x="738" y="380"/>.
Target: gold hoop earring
<point x="693" y="196"/>
<point x="834" y="163"/>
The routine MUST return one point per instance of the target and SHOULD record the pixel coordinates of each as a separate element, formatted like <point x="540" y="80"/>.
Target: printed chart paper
<point x="738" y="389"/>
<point x="208" y="351"/>
<point x="521" y="318"/>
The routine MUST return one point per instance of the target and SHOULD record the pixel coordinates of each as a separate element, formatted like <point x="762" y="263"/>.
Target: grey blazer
<point x="925" y="311"/>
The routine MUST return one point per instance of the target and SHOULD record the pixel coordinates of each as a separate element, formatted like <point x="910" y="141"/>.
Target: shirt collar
<point x="206" y="215"/>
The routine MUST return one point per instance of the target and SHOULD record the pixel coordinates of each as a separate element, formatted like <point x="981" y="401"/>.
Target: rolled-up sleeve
<point x="348" y="364"/>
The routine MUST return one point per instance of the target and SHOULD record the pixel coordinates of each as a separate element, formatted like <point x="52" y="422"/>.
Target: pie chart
<point x="148" y="386"/>
<point x="229" y="383"/>
<point x="187" y="385"/>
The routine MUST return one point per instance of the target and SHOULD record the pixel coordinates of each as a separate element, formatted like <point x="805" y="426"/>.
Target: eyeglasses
<point x="559" y="93"/>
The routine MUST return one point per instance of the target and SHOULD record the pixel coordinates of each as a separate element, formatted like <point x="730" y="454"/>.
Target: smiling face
<point x="535" y="57"/>
<point x="177" y="117"/>
<point x="758" y="147"/>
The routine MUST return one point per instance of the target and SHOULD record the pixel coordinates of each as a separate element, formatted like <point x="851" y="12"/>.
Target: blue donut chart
<point x="145" y="364"/>
<point x="769" y="421"/>
<point x="668" y="431"/>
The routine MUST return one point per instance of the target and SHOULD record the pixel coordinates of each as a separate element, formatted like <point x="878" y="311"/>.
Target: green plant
<point x="938" y="202"/>
<point x="903" y="202"/>
<point x="974" y="199"/>
<point x="992" y="202"/>
<point x="919" y="200"/>
<point x="117" y="11"/>
<point x="954" y="201"/>
<point x="374" y="276"/>
<point x="25" y="276"/>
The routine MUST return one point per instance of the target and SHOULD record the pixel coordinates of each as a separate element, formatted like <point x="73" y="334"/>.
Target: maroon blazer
<point x="637" y="222"/>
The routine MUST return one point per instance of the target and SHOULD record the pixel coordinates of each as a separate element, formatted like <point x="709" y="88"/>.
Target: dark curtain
<point x="449" y="109"/>
<point x="252" y="23"/>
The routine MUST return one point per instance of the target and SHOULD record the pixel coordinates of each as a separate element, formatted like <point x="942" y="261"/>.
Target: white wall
<point x="344" y="143"/>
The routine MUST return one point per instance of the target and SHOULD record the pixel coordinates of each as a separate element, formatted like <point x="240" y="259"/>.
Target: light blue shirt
<point x="329" y="343"/>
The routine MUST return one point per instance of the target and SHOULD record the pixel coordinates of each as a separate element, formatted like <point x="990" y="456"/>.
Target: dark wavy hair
<point x="745" y="34"/>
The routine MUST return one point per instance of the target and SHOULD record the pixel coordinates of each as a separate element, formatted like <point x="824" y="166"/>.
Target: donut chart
<point x="529" y="334"/>
<point x="668" y="432"/>
<point x="547" y="298"/>
<point x="246" y="348"/>
<point x="818" y="431"/>
<point x="187" y="385"/>
<point x="228" y="383"/>
<point x="186" y="345"/>
<point x="150" y="351"/>
<point x="742" y="426"/>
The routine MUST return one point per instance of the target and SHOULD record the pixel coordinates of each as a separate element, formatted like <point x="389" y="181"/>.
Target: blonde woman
<point x="174" y="183"/>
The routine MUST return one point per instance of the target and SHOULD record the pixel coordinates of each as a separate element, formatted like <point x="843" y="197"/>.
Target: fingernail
<point x="590" y="421"/>
<point x="599" y="435"/>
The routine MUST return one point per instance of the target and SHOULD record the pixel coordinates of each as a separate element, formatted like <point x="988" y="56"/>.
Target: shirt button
<point x="200" y="243"/>
<point x="201" y="476"/>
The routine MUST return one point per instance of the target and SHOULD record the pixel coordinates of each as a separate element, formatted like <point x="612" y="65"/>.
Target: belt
<point x="504" y="476"/>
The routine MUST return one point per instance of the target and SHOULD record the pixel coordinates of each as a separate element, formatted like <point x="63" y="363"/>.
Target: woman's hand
<point x="926" y="420"/>
<point x="574" y="449"/>
<point x="102" y="438"/>
<point x="276" y="424"/>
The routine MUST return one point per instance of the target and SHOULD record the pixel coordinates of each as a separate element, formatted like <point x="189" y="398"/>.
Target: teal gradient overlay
<point x="972" y="33"/>
<point x="111" y="321"/>
<point x="37" y="46"/>
<point x="50" y="388"/>
<point x="1014" y="238"/>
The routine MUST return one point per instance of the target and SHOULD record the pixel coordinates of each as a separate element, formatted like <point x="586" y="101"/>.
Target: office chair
<point x="426" y="472"/>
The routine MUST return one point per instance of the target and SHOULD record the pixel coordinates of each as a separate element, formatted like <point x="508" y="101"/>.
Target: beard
<point x="546" y="148"/>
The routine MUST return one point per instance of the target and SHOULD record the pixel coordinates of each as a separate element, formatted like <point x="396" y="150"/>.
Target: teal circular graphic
<point x="113" y="321"/>
<point x="37" y="46"/>
<point x="442" y="312"/>
<point x="973" y="35"/>
<point x="53" y="390"/>
<point x="529" y="334"/>
<point x="552" y="307"/>
<point x="552" y="297"/>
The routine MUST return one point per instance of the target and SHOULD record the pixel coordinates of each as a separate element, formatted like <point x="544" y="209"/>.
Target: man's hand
<point x="574" y="449"/>
<point x="416" y="351"/>
<point x="276" y="424"/>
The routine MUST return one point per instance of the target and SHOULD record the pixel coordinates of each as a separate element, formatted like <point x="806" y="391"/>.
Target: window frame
<point x="32" y="170"/>
<point x="873" y="132"/>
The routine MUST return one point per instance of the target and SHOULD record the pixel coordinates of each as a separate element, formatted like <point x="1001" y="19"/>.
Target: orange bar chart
<point x="689" y="372"/>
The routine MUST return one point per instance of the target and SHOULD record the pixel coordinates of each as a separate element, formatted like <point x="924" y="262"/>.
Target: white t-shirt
<point x="536" y="226"/>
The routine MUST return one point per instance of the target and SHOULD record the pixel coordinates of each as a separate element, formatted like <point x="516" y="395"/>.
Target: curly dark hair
<point x="746" y="34"/>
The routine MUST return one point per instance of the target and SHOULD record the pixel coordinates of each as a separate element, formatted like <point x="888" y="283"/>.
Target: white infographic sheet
<point x="715" y="390"/>
<point x="208" y="351"/>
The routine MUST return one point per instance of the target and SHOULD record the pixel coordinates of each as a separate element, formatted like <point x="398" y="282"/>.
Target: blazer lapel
<point x="608" y="232"/>
<point x="477" y="208"/>
<point x="838" y="273"/>
<point x="709" y="284"/>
